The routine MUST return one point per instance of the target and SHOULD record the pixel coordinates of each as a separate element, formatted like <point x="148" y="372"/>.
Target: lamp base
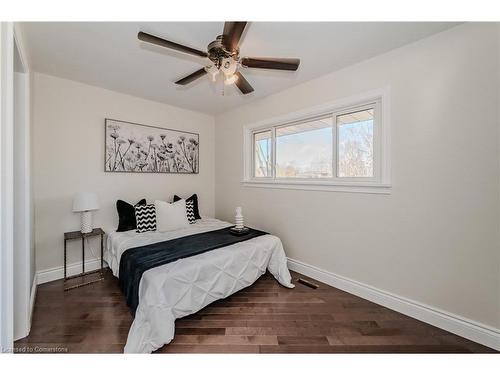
<point x="86" y="222"/>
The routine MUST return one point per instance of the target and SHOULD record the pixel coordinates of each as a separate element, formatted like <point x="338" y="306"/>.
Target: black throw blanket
<point x="134" y="262"/>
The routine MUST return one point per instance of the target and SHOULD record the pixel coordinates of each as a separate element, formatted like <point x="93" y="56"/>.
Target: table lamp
<point x="85" y="203"/>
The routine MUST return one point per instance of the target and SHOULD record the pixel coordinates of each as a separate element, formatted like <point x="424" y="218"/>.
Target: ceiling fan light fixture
<point x="228" y="66"/>
<point x="213" y="76"/>
<point x="229" y="80"/>
<point x="212" y="71"/>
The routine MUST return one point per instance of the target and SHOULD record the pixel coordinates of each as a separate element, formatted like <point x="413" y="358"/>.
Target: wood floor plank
<point x="362" y="349"/>
<point x="224" y="340"/>
<point x="263" y="318"/>
<point x="210" y="349"/>
<point x="281" y="331"/>
<point x="302" y="340"/>
<point x="200" y="331"/>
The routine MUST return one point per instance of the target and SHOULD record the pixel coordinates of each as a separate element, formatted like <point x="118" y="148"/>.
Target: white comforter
<point x="184" y="287"/>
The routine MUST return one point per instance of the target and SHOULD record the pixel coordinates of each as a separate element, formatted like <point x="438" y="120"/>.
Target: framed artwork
<point x="131" y="147"/>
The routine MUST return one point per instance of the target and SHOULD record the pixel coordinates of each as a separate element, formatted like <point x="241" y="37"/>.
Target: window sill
<point x="345" y="187"/>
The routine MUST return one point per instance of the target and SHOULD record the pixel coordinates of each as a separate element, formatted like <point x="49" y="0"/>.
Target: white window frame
<point x="378" y="184"/>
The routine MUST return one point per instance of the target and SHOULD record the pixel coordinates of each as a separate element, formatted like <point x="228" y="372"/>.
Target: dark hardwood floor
<point x="264" y="318"/>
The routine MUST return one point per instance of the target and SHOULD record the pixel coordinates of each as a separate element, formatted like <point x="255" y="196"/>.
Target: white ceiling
<point x="109" y="55"/>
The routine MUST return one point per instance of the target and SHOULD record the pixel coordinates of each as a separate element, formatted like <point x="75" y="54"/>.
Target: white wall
<point x="435" y="239"/>
<point x="68" y="127"/>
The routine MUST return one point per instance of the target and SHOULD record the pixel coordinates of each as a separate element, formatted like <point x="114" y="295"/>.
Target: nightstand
<point x="68" y="236"/>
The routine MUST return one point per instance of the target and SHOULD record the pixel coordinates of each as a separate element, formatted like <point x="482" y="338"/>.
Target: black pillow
<point x="194" y="199"/>
<point x="126" y="215"/>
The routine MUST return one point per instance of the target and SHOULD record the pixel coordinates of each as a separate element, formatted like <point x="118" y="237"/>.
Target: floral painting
<point x="147" y="149"/>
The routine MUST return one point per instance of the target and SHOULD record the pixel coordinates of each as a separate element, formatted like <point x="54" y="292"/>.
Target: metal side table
<point x="79" y="235"/>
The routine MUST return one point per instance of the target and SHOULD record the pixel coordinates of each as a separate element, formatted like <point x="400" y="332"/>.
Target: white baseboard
<point x="29" y="312"/>
<point x="56" y="273"/>
<point x="474" y="331"/>
<point x="32" y="301"/>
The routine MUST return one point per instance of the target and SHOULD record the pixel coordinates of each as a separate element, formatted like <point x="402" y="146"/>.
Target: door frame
<point x="11" y="38"/>
<point x="6" y="185"/>
<point x="23" y="289"/>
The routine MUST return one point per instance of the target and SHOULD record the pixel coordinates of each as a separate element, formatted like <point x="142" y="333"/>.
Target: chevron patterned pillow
<point x="145" y="215"/>
<point x="190" y="212"/>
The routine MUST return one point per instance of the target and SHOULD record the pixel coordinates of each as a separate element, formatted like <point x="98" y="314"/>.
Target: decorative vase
<point x="238" y="219"/>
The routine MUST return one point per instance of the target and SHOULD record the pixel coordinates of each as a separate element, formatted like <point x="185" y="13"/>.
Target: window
<point x="339" y="145"/>
<point x="262" y="154"/>
<point x="355" y="144"/>
<point x="304" y="150"/>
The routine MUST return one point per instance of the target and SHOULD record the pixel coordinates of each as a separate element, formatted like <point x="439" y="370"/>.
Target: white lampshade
<point x="85" y="202"/>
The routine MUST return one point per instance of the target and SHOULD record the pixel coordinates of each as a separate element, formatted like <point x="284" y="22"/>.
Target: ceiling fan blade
<point x="243" y="84"/>
<point x="192" y="77"/>
<point x="148" y="38"/>
<point x="270" y="63"/>
<point x="232" y="34"/>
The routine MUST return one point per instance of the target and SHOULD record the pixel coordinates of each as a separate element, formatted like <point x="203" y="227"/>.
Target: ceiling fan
<point x="224" y="56"/>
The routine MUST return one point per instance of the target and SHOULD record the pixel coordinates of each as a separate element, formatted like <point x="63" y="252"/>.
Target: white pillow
<point x="171" y="216"/>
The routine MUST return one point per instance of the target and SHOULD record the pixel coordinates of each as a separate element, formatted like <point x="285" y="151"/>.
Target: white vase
<point x="238" y="219"/>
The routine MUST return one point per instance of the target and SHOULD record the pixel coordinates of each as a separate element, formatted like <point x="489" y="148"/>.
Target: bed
<point x="177" y="289"/>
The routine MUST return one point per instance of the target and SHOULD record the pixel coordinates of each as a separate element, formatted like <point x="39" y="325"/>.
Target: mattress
<point x="183" y="287"/>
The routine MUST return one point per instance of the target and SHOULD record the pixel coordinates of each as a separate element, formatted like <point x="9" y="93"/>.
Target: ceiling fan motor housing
<point x="218" y="53"/>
